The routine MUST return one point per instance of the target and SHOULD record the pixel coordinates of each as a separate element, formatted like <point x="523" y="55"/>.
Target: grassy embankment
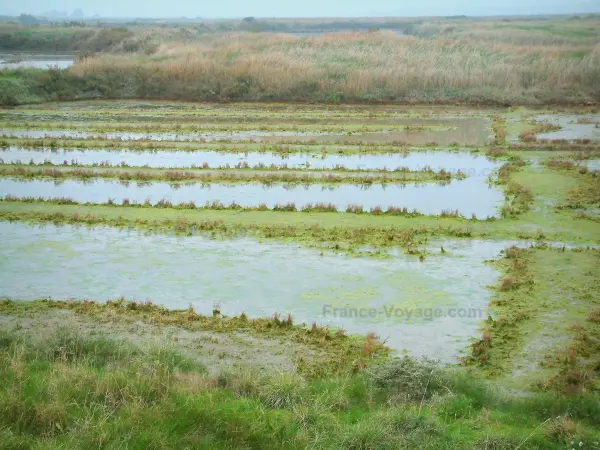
<point x="136" y="125"/>
<point x="62" y="386"/>
<point x="323" y="177"/>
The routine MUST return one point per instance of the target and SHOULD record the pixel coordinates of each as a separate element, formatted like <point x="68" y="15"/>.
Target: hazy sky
<point x="305" y="8"/>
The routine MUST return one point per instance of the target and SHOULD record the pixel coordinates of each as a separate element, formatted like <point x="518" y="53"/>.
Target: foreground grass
<point x="315" y="351"/>
<point x="61" y="389"/>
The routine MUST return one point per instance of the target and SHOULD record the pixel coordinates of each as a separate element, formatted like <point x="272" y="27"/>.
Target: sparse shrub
<point x="192" y="314"/>
<point x="171" y="360"/>
<point x="561" y="428"/>
<point x="410" y="378"/>
<point x="290" y="206"/>
<point x="594" y="316"/>
<point x="356" y="209"/>
<point x="450" y="213"/>
<point x="376" y="211"/>
<point x="241" y="382"/>
<point x="560" y="163"/>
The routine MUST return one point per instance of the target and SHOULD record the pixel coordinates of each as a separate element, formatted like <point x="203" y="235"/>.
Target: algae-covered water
<point x="428" y="308"/>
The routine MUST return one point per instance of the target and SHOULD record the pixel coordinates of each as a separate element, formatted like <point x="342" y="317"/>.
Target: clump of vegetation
<point x="410" y="379"/>
<point x="320" y="207"/>
<point x="530" y="135"/>
<point x="499" y="128"/>
<point x="518" y="197"/>
<point x="290" y="206"/>
<point x="355" y="209"/>
<point x="560" y="163"/>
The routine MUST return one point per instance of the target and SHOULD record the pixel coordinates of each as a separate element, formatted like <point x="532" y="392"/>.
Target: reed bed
<point x="471" y="63"/>
<point x="356" y="66"/>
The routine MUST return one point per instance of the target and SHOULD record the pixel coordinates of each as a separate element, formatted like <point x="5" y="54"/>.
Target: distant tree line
<point x="72" y="38"/>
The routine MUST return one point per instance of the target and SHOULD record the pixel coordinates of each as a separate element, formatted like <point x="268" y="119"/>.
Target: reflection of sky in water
<point x="570" y="128"/>
<point x="592" y="164"/>
<point x="471" y="164"/>
<point x="37" y="64"/>
<point x="471" y="131"/>
<point x="469" y="196"/>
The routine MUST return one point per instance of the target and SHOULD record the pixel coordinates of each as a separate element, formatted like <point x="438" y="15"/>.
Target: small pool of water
<point x="466" y="131"/>
<point x="572" y="126"/>
<point x="470" y="164"/>
<point x="591" y="164"/>
<point x="37" y="64"/>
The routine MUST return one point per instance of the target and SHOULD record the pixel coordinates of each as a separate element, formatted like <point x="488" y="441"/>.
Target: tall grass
<point x="353" y="66"/>
<point x="377" y="66"/>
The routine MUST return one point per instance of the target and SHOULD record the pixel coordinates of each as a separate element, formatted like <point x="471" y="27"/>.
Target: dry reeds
<point x="374" y="64"/>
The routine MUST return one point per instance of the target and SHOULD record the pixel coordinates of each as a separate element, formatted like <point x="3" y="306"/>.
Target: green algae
<point x="540" y="306"/>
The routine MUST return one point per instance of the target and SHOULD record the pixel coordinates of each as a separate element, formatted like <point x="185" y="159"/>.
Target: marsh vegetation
<point x="191" y="254"/>
<point x="474" y="61"/>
